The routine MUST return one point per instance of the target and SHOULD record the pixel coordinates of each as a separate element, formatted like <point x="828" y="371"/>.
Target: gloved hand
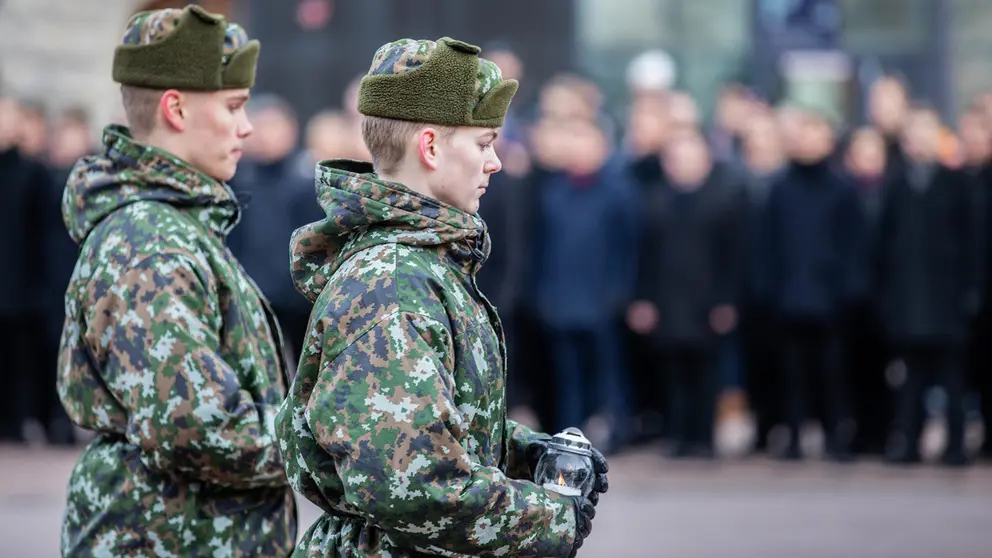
<point x="536" y="450"/>
<point x="600" y="468"/>
<point x="585" y="511"/>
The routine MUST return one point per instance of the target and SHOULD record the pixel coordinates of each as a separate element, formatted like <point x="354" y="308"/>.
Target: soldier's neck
<point x="414" y="181"/>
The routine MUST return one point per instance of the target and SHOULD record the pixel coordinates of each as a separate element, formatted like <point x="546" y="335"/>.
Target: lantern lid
<point x="572" y="440"/>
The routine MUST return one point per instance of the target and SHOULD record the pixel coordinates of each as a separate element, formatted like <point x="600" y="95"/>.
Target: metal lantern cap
<point x="572" y="440"/>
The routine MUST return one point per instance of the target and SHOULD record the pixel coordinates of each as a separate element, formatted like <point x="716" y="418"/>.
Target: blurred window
<point x="707" y="38"/>
<point x="881" y="26"/>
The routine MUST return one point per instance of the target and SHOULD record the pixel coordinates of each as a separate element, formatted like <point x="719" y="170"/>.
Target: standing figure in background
<point x="584" y="259"/>
<point x="868" y="354"/>
<point x="764" y="161"/>
<point x="929" y="278"/>
<point x="687" y="279"/>
<point x="276" y="191"/>
<point x="23" y="182"/>
<point x="814" y="228"/>
<point x="70" y="140"/>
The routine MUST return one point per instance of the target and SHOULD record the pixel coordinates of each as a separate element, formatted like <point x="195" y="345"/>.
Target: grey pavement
<point x="656" y="508"/>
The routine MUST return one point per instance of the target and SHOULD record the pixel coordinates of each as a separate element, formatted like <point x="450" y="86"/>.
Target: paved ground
<point x="752" y="509"/>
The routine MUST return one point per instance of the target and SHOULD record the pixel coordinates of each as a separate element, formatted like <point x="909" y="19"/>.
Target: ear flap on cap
<point x="240" y="70"/>
<point x="205" y="15"/>
<point x="460" y="45"/>
<point x="493" y="106"/>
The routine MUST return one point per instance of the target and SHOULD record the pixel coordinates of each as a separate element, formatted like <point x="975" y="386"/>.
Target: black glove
<point x="600" y="468"/>
<point x="585" y="511"/>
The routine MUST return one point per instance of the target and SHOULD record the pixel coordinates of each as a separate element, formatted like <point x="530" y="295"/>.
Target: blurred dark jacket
<point x="278" y="198"/>
<point x="583" y="263"/>
<point x="60" y="253"/>
<point x="502" y="210"/>
<point x="23" y="183"/>
<point x="689" y="255"/>
<point x="814" y="228"/>
<point x="929" y="267"/>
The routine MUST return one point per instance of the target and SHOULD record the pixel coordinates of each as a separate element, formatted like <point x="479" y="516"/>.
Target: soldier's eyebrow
<point x="240" y="98"/>
<point x="489" y="136"/>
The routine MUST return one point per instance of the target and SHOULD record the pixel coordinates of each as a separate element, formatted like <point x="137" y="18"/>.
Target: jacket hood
<point x="363" y="211"/>
<point x="129" y="171"/>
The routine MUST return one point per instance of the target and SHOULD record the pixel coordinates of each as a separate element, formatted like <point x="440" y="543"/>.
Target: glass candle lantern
<point x="567" y="466"/>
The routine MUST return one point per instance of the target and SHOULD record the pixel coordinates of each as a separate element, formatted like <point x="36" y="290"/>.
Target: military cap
<point x="187" y="48"/>
<point x="442" y="82"/>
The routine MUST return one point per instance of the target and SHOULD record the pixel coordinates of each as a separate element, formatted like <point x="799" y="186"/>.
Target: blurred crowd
<point x="645" y="264"/>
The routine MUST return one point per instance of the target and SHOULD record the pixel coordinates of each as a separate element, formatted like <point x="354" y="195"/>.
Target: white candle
<point x="564" y="490"/>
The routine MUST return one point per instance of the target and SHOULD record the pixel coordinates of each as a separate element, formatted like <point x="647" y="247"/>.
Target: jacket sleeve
<point x="384" y="410"/>
<point x="969" y="241"/>
<point x="626" y="231"/>
<point x="157" y="333"/>
<point x="730" y="237"/>
<point x="851" y="240"/>
<point x="520" y="437"/>
<point x="771" y="243"/>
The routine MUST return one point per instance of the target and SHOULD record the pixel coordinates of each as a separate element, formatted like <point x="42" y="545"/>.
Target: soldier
<point x="169" y="352"/>
<point x="396" y="424"/>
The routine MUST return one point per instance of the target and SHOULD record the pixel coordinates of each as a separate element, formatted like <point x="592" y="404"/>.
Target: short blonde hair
<point x="140" y="108"/>
<point x="386" y="140"/>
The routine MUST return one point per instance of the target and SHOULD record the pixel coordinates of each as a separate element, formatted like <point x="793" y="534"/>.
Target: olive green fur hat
<point x="187" y="49"/>
<point x="441" y="82"/>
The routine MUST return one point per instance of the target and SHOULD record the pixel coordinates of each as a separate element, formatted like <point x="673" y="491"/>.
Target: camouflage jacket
<point x="396" y="422"/>
<point x="169" y="353"/>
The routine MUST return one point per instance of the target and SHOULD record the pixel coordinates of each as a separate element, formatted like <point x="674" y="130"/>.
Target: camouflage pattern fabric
<point x="171" y="355"/>
<point x="396" y="422"/>
<point x="145" y="28"/>
<point x="403" y="55"/>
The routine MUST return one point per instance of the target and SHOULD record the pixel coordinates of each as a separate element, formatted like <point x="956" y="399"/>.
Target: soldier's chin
<point x="224" y="172"/>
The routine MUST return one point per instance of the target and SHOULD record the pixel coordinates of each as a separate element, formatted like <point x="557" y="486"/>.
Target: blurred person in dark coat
<point x="34" y="136"/>
<point x="648" y="130"/>
<point x="278" y="196"/>
<point x="888" y="106"/>
<point x="929" y="274"/>
<point x="764" y="161"/>
<point x="583" y="267"/>
<point x="504" y="213"/>
<point x="686" y="287"/>
<point x="733" y="108"/>
<point x="329" y="134"/>
<point x="23" y="182"/>
<point x="814" y="227"/>
<point x="70" y="140"/>
<point x="865" y="163"/>
<point x="976" y="138"/>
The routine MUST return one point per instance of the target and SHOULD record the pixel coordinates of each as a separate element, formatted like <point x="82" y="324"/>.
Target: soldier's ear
<point x="172" y="111"/>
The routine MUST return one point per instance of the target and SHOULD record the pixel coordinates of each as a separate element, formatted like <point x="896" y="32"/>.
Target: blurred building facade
<point x="59" y="52"/>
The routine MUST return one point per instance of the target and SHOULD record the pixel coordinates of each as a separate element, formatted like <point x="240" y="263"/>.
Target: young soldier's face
<point x="216" y="131"/>
<point x="465" y="161"/>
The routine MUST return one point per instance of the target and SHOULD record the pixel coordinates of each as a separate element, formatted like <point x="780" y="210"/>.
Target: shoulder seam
<point x="387" y="316"/>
